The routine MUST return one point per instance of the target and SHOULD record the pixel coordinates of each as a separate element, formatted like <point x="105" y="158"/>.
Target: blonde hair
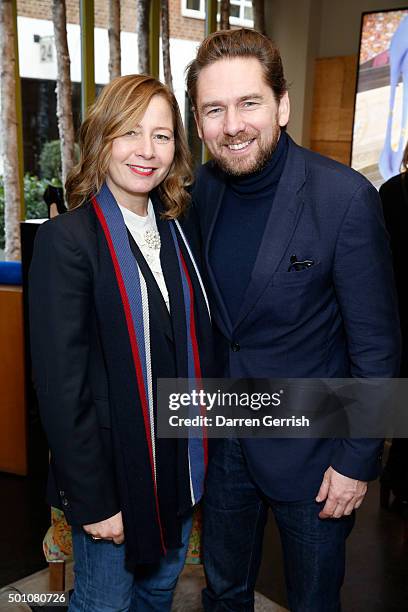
<point x="119" y="107"/>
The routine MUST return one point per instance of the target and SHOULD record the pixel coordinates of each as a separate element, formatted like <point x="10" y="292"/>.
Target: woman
<point x="116" y="303"/>
<point x="394" y="196"/>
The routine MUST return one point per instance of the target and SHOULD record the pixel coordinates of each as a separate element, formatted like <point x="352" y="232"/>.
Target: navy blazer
<point x="335" y="319"/>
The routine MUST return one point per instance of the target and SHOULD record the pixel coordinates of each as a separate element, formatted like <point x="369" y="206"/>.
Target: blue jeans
<point x="235" y="513"/>
<point x="103" y="584"/>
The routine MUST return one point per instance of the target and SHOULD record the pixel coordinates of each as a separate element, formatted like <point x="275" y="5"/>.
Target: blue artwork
<point x="391" y="157"/>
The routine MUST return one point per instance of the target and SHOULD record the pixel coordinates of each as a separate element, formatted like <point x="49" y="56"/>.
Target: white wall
<point x="295" y="27"/>
<point x="29" y="51"/>
<point x="340" y="25"/>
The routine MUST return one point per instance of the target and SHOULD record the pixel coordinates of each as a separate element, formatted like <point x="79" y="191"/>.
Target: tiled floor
<point x="377" y="564"/>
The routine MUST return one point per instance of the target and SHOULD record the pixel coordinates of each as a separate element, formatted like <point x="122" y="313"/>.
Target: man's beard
<point x="241" y="166"/>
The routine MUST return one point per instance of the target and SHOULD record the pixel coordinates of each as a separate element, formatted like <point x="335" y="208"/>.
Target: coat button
<point x="235" y="347"/>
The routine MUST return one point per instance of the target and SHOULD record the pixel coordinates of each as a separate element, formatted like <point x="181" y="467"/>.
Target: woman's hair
<point x="241" y="43"/>
<point x="119" y="107"/>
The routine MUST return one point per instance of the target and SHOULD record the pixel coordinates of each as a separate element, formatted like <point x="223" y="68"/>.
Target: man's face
<point x="237" y="115"/>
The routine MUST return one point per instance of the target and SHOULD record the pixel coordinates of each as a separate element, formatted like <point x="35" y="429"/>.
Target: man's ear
<point x="197" y="121"/>
<point x="284" y="109"/>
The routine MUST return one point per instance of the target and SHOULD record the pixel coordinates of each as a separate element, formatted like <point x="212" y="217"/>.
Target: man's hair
<point x="119" y="107"/>
<point x="228" y="44"/>
<point x="404" y="163"/>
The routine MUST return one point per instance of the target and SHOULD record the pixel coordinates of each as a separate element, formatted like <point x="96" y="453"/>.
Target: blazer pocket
<point x="103" y="412"/>
<point x="294" y="279"/>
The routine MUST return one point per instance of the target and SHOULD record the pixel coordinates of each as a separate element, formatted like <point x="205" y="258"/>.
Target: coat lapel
<point x="223" y="318"/>
<point x="171" y="272"/>
<point x="279" y="229"/>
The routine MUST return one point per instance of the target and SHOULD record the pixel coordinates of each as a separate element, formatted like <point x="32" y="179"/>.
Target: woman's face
<point x="141" y="159"/>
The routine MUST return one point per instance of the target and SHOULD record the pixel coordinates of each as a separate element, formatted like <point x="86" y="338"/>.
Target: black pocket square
<point x="298" y="265"/>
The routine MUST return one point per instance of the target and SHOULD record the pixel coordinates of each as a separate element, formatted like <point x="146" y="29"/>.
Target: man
<point x="301" y="285"/>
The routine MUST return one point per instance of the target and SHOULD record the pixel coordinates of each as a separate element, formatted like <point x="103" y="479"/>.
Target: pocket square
<point x="300" y="264"/>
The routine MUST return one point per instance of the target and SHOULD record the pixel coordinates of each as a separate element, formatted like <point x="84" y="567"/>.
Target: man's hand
<point x="342" y="494"/>
<point x="109" y="529"/>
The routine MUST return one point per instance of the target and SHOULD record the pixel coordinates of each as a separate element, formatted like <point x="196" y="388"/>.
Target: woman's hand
<point x="109" y="529"/>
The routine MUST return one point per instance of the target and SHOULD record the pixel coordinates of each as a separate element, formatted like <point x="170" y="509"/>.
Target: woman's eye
<point x="130" y="133"/>
<point x="162" y="137"/>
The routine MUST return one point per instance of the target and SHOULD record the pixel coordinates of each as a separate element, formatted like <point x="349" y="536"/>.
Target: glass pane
<point x="234" y="10"/>
<point x="194" y="5"/>
<point x="248" y="14"/>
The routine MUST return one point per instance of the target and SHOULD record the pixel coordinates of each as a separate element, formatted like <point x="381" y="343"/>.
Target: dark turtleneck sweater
<point x="240" y="226"/>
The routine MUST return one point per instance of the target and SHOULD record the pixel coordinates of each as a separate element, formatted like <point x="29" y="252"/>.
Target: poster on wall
<point x="380" y="129"/>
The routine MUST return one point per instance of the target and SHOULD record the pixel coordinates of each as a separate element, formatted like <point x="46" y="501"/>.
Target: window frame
<point x="200" y="13"/>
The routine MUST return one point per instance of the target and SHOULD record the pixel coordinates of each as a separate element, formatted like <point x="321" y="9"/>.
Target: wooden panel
<point x="13" y="435"/>
<point x="57" y="576"/>
<point x="340" y="151"/>
<point x="333" y="106"/>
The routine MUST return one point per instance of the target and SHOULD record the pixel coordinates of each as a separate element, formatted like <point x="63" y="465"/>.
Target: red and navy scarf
<point x="134" y="300"/>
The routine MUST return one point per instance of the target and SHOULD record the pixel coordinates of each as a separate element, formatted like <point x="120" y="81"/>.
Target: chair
<point x="57" y="547"/>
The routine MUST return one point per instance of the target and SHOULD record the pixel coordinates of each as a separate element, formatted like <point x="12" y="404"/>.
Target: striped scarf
<point x="135" y="302"/>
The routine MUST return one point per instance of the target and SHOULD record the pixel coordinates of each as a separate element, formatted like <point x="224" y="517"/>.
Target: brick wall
<point x="184" y="27"/>
<point x="180" y="27"/>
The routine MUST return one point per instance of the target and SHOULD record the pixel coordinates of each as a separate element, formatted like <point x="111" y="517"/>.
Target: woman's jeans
<point x="103" y="584"/>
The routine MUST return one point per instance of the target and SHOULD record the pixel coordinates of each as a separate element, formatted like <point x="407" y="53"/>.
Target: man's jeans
<point x="103" y="584"/>
<point x="234" y="518"/>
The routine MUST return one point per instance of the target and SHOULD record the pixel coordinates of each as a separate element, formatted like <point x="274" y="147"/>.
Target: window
<point x="193" y="8"/>
<point x="240" y="11"/>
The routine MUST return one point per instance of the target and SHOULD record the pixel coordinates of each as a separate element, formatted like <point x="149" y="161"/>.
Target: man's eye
<point x="250" y="104"/>
<point x="214" y="111"/>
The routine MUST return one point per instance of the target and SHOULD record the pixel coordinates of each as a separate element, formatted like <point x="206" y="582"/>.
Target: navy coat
<point x="85" y="380"/>
<point x="335" y="319"/>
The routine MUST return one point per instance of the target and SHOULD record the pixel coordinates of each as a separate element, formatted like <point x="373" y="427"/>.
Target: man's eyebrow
<point x="253" y="96"/>
<point x="212" y="103"/>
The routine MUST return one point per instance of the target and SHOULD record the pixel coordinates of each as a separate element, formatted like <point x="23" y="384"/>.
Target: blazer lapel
<point x="223" y="319"/>
<point x="171" y="272"/>
<point x="279" y="229"/>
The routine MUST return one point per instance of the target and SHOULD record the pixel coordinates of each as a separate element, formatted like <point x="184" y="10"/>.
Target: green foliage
<point x="50" y="161"/>
<point x="35" y="206"/>
<point x="34" y="187"/>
